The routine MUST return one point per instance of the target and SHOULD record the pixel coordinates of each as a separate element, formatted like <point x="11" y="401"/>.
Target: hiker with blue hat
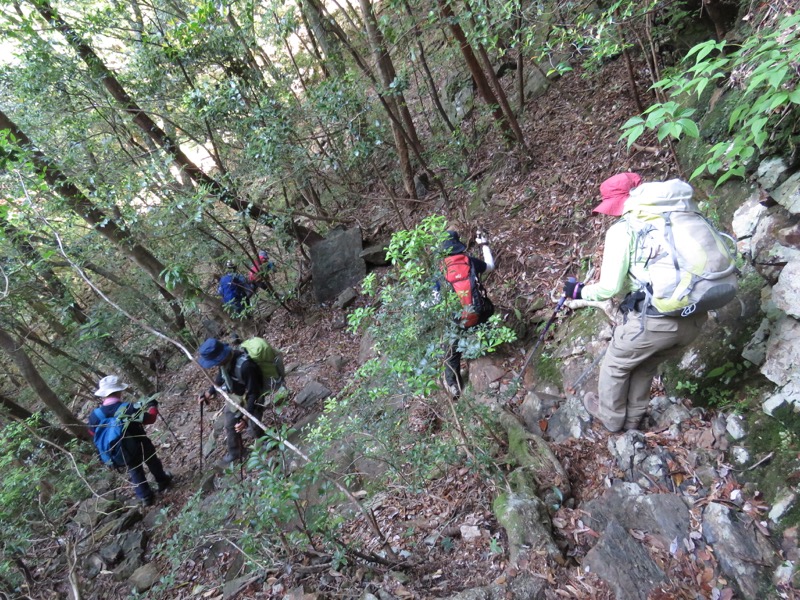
<point x="238" y="375"/>
<point x="117" y="429"/>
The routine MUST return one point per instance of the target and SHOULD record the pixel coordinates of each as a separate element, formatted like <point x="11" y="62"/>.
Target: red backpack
<point x="477" y="307"/>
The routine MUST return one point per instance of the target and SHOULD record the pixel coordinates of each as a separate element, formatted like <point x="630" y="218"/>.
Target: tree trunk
<point x="39" y="385"/>
<point x="478" y="76"/>
<point x="387" y="74"/>
<point x="150" y="128"/>
<point x="428" y="76"/>
<point x="503" y="99"/>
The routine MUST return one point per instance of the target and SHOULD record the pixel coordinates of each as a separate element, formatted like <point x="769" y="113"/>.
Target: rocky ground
<point x="660" y="513"/>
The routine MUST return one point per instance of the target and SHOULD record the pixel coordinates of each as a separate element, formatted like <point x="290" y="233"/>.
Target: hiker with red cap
<point x="673" y="266"/>
<point x="260" y="270"/>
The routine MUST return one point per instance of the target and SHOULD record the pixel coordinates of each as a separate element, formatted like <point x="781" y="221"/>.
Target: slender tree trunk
<point x="39" y="385"/>
<point x="395" y="100"/>
<point x="428" y="76"/>
<point x="503" y="99"/>
<point x="150" y="128"/>
<point x="478" y="76"/>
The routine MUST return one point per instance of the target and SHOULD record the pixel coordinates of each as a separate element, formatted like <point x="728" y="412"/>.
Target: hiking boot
<point x="163" y="486"/>
<point x="591" y="403"/>
<point x="451" y="388"/>
<point x="147" y="501"/>
<point x="227" y="460"/>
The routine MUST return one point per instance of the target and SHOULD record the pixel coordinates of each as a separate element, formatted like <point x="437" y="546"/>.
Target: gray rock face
<point x="629" y="449"/>
<point x="735" y="426"/>
<point x="336" y="263"/>
<point x="570" y="421"/>
<point x="346" y="298"/>
<point x="527" y="524"/>
<point x="755" y="350"/>
<point x="788" y="194"/>
<point x="375" y="255"/>
<point x="93" y="510"/>
<point x="623" y="563"/>
<point x="742" y="552"/>
<point x="746" y="219"/>
<point x="311" y="393"/>
<point x="786" y="293"/>
<point x="664" y="516"/>
<point x="783" y="352"/>
<point x="483" y="372"/>
<point x="144" y="577"/>
<point x="673" y="415"/>
<point x="772" y="172"/>
<point x="788" y="394"/>
<point x="128" y="567"/>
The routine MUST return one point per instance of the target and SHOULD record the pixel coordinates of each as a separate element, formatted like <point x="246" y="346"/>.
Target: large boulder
<point x="336" y="263"/>
<point x="623" y="563"/>
<point x="741" y="550"/>
<point x="788" y="194"/>
<point x="664" y="516"/>
<point x="786" y="293"/>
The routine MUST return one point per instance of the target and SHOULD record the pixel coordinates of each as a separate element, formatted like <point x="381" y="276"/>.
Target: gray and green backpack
<point x="681" y="262"/>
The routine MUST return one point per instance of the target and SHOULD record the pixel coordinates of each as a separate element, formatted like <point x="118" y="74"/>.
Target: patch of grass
<point x="779" y="434"/>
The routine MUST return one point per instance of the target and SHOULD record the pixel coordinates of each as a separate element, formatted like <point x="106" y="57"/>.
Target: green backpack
<point x="682" y="263"/>
<point x="265" y="356"/>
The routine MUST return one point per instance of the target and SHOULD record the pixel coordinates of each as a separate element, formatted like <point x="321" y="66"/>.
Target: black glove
<point x="151" y="404"/>
<point x="572" y="289"/>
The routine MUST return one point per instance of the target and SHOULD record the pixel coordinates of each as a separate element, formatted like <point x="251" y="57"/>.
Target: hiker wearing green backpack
<point x="117" y="429"/>
<point x="673" y="267"/>
<point x="253" y="372"/>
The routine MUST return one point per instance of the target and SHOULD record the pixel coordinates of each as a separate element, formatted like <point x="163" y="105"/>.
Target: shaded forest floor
<point x="541" y="229"/>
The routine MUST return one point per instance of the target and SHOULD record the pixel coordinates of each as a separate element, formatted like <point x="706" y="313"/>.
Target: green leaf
<point x="634" y="134"/>
<point x="690" y="128"/>
<point x="698" y="171"/>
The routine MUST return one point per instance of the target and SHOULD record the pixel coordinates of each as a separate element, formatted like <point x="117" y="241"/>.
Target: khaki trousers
<point x="632" y="361"/>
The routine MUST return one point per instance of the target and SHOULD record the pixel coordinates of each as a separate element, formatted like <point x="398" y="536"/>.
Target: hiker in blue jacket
<point x="234" y="290"/>
<point x="135" y="450"/>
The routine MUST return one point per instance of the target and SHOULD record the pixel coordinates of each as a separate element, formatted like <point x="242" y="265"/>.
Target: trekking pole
<point x="166" y="423"/>
<point x="201" y="434"/>
<point x="241" y="458"/>
<point x="541" y="338"/>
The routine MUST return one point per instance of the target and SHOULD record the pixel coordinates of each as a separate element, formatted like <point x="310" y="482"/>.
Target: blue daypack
<point x="108" y="434"/>
<point x="233" y="289"/>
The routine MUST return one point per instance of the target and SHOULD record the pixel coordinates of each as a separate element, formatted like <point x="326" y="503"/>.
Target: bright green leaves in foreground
<point x="413" y="324"/>
<point x="766" y="104"/>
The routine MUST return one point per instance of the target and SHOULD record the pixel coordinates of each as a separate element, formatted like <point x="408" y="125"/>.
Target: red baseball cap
<point x="615" y="191"/>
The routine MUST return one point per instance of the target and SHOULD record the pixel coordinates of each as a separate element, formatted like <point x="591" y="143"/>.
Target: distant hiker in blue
<point x="234" y="290"/>
<point x="117" y="429"/>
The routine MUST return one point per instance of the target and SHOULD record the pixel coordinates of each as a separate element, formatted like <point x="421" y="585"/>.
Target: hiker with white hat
<point x="117" y="429"/>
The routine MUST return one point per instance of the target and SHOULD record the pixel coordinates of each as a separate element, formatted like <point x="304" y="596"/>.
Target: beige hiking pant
<point x="632" y="361"/>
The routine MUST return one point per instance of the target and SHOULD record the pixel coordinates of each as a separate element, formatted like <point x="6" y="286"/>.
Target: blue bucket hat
<point x="212" y="352"/>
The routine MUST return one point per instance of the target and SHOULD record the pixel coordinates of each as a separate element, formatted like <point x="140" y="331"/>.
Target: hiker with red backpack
<point x="117" y="429"/>
<point x="259" y="272"/>
<point x="463" y="273"/>
<point x="674" y="267"/>
<point x="250" y="372"/>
